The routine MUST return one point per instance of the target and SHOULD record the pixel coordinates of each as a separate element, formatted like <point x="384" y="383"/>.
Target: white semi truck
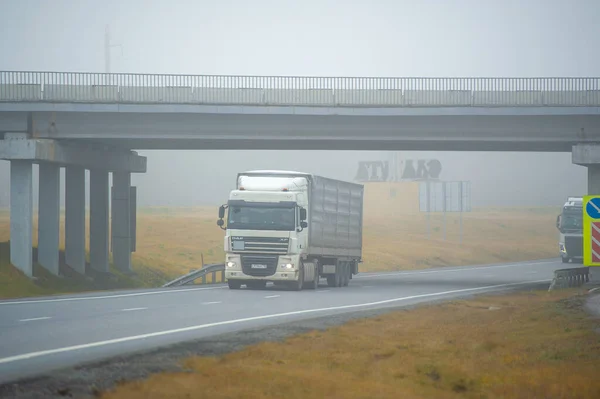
<point x="291" y="229"/>
<point x="570" y="230"/>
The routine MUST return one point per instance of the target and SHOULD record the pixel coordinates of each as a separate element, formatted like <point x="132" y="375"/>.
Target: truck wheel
<point x="234" y="285"/>
<point x="339" y="275"/>
<point x="347" y="272"/>
<point x="314" y="284"/>
<point x="297" y="285"/>
<point x="331" y="280"/>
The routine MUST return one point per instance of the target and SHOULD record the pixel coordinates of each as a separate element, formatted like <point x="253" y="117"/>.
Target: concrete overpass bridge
<point x="93" y="121"/>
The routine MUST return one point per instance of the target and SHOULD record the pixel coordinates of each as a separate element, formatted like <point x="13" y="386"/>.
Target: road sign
<point x="593" y="208"/>
<point x="591" y="230"/>
<point x="450" y="196"/>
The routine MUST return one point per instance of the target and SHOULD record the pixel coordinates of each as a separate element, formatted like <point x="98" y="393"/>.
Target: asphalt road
<point x="43" y="334"/>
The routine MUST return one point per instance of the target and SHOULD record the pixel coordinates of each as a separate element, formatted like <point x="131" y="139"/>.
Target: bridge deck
<point x="66" y="87"/>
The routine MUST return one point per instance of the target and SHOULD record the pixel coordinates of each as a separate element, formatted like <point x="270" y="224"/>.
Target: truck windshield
<point x="249" y="217"/>
<point x="572" y="220"/>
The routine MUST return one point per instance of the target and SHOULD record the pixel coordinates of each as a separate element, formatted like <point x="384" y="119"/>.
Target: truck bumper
<point x="291" y="275"/>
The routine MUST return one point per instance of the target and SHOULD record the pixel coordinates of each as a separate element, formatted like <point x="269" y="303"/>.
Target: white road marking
<point x="36" y="318"/>
<point x="211" y="303"/>
<point x="465" y="269"/>
<point x="531" y="272"/>
<point x="489" y="275"/>
<point x="89" y="298"/>
<point x="31" y="355"/>
<point x="132" y="309"/>
<point x="272" y="296"/>
<point x="322" y="290"/>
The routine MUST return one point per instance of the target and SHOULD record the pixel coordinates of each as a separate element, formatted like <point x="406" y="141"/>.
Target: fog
<point x="457" y="38"/>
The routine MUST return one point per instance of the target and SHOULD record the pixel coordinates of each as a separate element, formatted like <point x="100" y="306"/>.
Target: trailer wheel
<point x="347" y="272"/>
<point x="339" y="274"/>
<point x="234" y="284"/>
<point x="331" y="280"/>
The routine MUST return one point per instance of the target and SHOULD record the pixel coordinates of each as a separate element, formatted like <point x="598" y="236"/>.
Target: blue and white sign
<point x="593" y="208"/>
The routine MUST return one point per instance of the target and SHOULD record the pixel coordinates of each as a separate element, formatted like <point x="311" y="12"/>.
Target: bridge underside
<point x="206" y="131"/>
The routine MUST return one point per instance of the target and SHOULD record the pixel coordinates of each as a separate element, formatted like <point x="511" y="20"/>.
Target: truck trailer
<point x="570" y="230"/>
<point x="291" y="229"/>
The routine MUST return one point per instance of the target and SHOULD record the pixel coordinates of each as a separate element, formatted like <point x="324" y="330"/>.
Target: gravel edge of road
<point x="89" y="380"/>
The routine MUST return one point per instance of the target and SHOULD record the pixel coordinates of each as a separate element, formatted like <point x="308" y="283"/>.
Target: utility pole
<point x="107" y="47"/>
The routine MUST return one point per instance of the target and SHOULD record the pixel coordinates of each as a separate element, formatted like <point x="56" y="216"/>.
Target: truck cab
<point x="570" y="227"/>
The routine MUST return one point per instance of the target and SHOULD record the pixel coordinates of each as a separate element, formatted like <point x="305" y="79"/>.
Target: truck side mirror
<point x="558" y="222"/>
<point x="221" y="212"/>
<point x="220" y="222"/>
<point x="303" y="224"/>
<point x="302" y="213"/>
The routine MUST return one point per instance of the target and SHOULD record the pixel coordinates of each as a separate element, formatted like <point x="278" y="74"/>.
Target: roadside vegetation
<point x="173" y="241"/>
<point x="524" y="345"/>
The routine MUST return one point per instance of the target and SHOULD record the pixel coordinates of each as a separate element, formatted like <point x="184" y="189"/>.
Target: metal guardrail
<point x="200" y="273"/>
<point x="566" y="278"/>
<point x="125" y="88"/>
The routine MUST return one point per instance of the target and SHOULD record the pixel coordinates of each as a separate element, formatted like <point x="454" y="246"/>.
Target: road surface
<point x="43" y="334"/>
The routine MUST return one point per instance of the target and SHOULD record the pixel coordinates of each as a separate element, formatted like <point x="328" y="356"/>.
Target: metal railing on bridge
<point x="212" y="270"/>
<point x="126" y="88"/>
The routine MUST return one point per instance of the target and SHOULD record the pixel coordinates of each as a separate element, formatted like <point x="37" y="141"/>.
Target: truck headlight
<point x="230" y="264"/>
<point x="287" y="266"/>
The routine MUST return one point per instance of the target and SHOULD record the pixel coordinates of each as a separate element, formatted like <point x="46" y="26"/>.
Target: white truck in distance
<point x="292" y="228"/>
<point x="570" y="230"/>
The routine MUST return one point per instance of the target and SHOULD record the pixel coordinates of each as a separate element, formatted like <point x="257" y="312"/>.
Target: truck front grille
<point x="259" y="265"/>
<point x="260" y="245"/>
<point x="574" y="246"/>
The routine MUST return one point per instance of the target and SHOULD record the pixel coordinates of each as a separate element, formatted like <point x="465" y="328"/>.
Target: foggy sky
<point x="430" y="38"/>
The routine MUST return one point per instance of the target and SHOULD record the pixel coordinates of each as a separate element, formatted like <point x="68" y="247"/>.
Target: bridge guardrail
<point x="200" y="273"/>
<point x="565" y="278"/>
<point x="125" y="88"/>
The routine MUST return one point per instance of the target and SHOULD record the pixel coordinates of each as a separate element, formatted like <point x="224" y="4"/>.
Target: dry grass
<point x="529" y="345"/>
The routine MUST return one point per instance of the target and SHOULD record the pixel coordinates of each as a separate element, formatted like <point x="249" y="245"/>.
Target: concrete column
<point x="21" y="216"/>
<point x="99" y="220"/>
<point x="49" y="216"/>
<point x="75" y="218"/>
<point x="121" y="216"/>
<point x="593" y="172"/>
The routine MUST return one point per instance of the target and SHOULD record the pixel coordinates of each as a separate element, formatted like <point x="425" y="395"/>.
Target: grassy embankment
<point x="525" y="345"/>
<point x="171" y="241"/>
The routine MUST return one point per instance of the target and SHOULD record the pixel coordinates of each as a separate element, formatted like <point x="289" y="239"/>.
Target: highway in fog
<point x="42" y="334"/>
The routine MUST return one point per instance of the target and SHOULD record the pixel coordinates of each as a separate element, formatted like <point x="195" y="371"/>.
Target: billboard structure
<point x="444" y="197"/>
<point x="398" y="170"/>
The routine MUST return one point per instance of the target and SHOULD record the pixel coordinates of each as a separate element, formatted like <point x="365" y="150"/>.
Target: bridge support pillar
<point x="99" y="220"/>
<point x="49" y="216"/>
<point x="588" y="155"/>
<point x="121" y="221"/>
<point x="22" y="151"/>
<point x="75" y="218"/>
<point x="21" y="216"/>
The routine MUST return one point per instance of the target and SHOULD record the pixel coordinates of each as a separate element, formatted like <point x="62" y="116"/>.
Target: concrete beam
<point x="17" y="146"/>
<point x="49" y="216"/>
<point x="21" y="216"/>
<point x="586" y="154"/>
<point x="75" y="218"/>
